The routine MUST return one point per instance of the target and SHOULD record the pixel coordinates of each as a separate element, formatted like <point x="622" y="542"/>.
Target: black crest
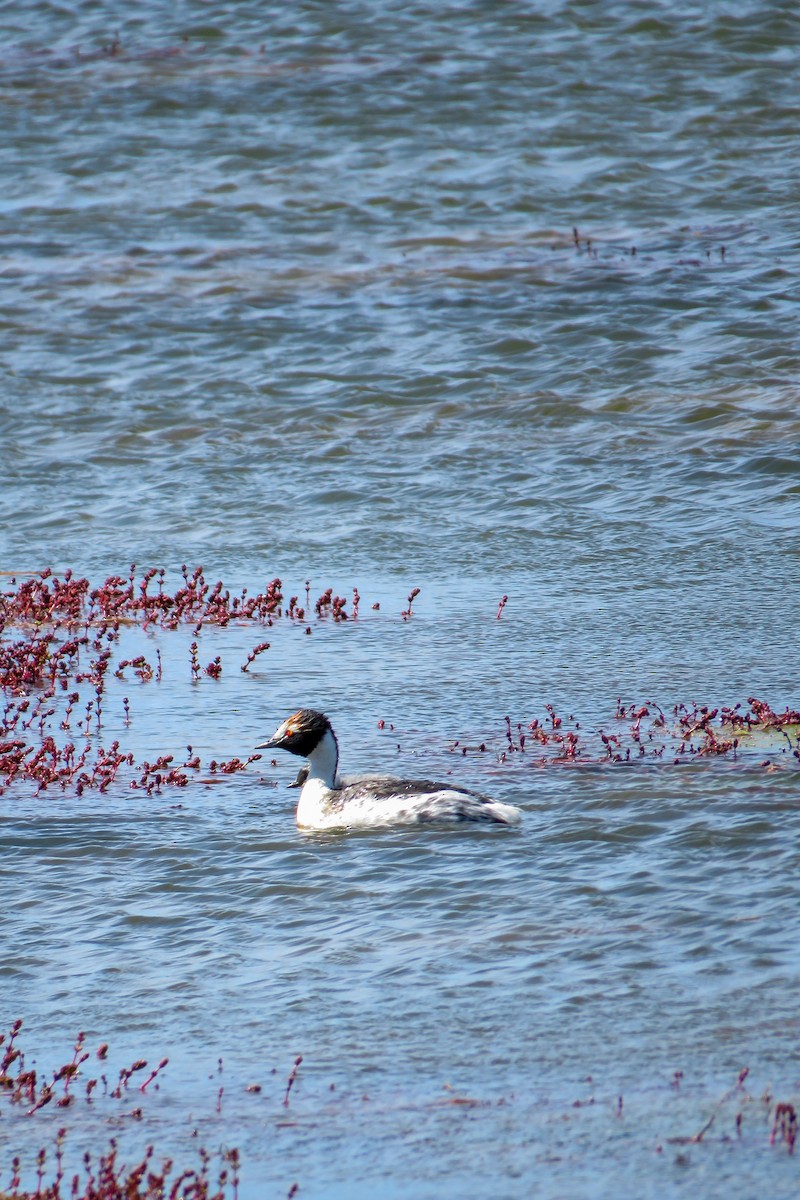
<point x="300" y="734"/>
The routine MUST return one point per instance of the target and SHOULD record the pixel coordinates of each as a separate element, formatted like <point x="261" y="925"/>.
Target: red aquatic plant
<point x="111" y="1179"/>
<point x="259" y="649"/>
<point x="784" y="1126"/>
<point x="56" y="664"/>
<point x="291" y="1079"/>
<point x="324" y="602"/>
<point x="412" y="595"/>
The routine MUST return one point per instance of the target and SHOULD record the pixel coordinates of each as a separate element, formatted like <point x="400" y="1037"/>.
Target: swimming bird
<point x="326" y="802"/>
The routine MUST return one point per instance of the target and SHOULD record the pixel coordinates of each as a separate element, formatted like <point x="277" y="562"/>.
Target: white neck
<point x="323" y="760"/>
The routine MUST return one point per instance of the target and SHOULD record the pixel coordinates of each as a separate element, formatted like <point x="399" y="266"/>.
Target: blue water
<point x="486" y="300"/>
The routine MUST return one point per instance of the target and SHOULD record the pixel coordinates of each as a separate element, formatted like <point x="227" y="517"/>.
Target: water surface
<point x="486" y="300"/>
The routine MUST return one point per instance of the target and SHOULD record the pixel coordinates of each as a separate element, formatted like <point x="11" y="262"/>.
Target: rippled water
<point x="485" y="299"/>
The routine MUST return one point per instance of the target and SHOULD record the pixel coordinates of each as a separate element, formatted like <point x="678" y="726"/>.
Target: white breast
<point x="312" y="810"/>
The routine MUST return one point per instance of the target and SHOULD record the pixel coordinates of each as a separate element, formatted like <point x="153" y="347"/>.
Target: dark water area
<point x="484" y="299"/>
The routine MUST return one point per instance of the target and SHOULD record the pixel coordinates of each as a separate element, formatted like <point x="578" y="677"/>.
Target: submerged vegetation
<point x="80" y="1087"/>
<point x="60" y="657"/>
<point x="66" y="669"/>
<point x="60" y="668"/>
<point x="90" y="1096"/>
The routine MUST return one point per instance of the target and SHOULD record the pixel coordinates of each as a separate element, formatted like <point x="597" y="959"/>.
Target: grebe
<point x="344" y="780"/>
<point x="328" y="803"/>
